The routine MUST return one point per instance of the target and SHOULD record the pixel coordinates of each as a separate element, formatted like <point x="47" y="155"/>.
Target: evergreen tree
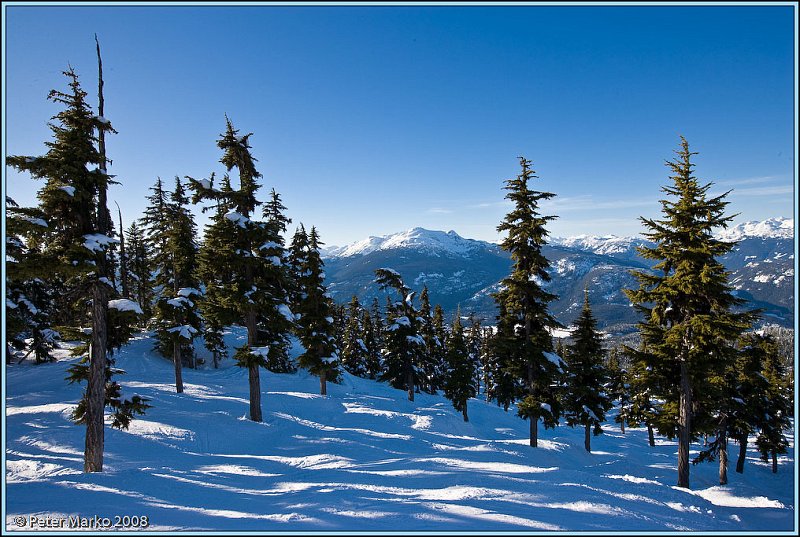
<point x="403" y="342"/>
<point x="460" y="380"/>
<point x="76" y="248"/>
<point x="354" y="351"/>
<point x="586" y="402"/>
<point x="687" y="303"/>
<point x="433" y="334"/>
<point x="643" y="382"/>
<point x="315" y="325"/>
<point x="372" y="324"/>
<point x="526" y="343"/>
<point x="475" y="348"/>
<point x="29" y="298"/>
<point x="140" y="269"/>
<point x="242" y="265"/>
<point x="156" y="224"/>
<point x="177" y="317"/>
<point x="777" y="401"/>
<point x="617" y="387"/>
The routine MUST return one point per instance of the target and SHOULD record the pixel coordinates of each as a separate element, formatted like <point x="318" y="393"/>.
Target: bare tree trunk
<point x="684" y="424"/>
<point x="123" y="261"/>
<point x="723" y="458"/>
<point x="464" y="412"/>
<point x="410" y="381"/>
<point x="255" y="393"/>
<point x="742" y="453"/>
<point x="323" y="386"/>
<point x="96" y="389"/>
<point x="651" y="438"/>
<point x="622" y="425"/>
<point x="176" y="359"/>
<point x="534" y="431"/>
<point x="774" y="462"/>
<point x="587" y="438"/>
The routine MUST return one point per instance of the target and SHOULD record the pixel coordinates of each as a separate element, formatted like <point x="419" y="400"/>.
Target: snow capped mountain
<point x="771" y="228"/>
<point x="601" y="245"/>
<point x="449" y="244"/>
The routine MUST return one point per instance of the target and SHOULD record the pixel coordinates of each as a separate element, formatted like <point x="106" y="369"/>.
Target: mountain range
<point x="461" y="272"/>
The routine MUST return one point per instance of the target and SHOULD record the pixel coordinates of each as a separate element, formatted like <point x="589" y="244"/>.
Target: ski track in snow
<point x="362" y="458"/>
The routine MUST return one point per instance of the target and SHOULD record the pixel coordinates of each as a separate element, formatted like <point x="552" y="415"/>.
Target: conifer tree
<point x="585" y="401"/>
<point x="242" y="264"/>
<point x="315" y="326"/>
<point x="688" y="323"/>
<point x="460" y="380"/>
<point x="643" y="383"/>
<point x="526" y="343"/>
<point x="354" y="351"/>
<point x="140" y="268"/>
<point x="777" y="400"/>
<point x="76" y="249"/>
<point x="403" y="342"/>
<point x="617" y="387"/>
<point x="177" y="317"/>
<point x="433" y="334"/>
<point x="372" y="324"/>
<point x="475" y="348"/>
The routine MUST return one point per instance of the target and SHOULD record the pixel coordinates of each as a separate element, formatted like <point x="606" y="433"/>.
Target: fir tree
<point x="617" y="387"/>
<point x="461" y="371"/>
<point x="354" y="351"/>
<point x="242" y="264"/>
<point x="643" y="382"/>
<point x="315" y="326"/>
<point x="777" y="400"/>
<point x="526" y="342"/>
<point x="372" y="323"/>
<point x="140" y="268"/>
<point x="586" y="402"/>
<point x="76" y="249"/>
<point x="687" y="304"/>
<point x="433" y="334"/>
<point x="403" y="342"/>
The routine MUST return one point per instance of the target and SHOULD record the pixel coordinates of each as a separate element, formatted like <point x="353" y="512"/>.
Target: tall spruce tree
<point x="771" y="440"/>
<point x="460" y="380"/>
<point x="242" y="264"/>
<point x="688" y="323"/>
<point x="585" y="400"/>
<point x="76" y="251"/>
<point x="403" y="342"/>
<point x="315" y="326"/>
<point x="526" y="341"/>
<point x="140" y="268"/>
<point x="354" y="351"/>
<point x="617" y="387"/>
<point x="372" y="324"/>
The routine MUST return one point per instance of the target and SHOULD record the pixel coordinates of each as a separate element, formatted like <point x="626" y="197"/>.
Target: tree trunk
<point x="622" y="425"/>
<point x="684" y="425"/>
<point x="464" y="411"/>
<point x="96" y="389"/>
<point x="176" y="359"/>
<point x="774" y="462"/>
<point x="723" y="458"/>
<point x="651" y="438"/>
<point x="410" y="381"/>
<point x="742" y="453"/>
<point x="587" y="438"/>
<point x="255" y="393"/>
<point x="323" y="386"/>
<point x="123" y="260"/>
<point x="534" y="431"/>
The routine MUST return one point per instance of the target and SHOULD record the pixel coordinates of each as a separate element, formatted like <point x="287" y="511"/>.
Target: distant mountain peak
<point x="771" y="228"/>
<point x="447" y="243"/>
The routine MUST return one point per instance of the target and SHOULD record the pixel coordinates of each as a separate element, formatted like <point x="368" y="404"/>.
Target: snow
<point x="185" y="331"/>
<point x="449" y="244"/>
<point x="237" y="218"/>
<point x="360" y="459"/>
<point x="205" y="183"/>
<point x="284" y="310"/>
<point x="188" y="291"/>
<point x="771" y="228"/>
<point x="97" y="242"/>
<point x="555" y="359"/>
<point x="34" y="220"/>
<point x="124" y="304"/>
<point x="70" y="190"/>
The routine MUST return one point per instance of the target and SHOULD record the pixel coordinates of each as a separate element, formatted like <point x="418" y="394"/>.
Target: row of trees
<point x="700" y="371"/>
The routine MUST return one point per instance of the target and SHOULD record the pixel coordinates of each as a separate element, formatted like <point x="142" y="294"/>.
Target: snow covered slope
<point x="361" y="458"/>
<point x="449" y="244"/>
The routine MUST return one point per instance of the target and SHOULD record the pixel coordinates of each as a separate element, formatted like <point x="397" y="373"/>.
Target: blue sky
<point x="370" y="120"/>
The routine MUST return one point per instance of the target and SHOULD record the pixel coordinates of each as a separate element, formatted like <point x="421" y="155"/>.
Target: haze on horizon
<point x="371" y="120"/>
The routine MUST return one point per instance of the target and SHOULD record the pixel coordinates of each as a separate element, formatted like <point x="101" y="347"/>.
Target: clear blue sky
<point x="374" y="119"/>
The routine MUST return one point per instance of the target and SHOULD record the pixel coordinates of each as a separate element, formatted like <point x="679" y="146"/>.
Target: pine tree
<point x="242" y="264"/>
<point x="475" y="348"/>
<point x="372" y="323"/>
<point x="432" y="332"/>
<point x="460" y="382"/>
<point x="76" y="251"/>
<point x="177" y="317"/>
<point x="643" y="382"/>
<point x="403" y="342"/>
<point x="526" y="343"/>
<point x="354" y="351"/>
<point x="315" y="326"/>
<point x="586" y="402"/>
<point x="687" y="304"/>
<point x="777" y="400"/>
<point x="140" y="268"/>
<point x="617" y="387"/>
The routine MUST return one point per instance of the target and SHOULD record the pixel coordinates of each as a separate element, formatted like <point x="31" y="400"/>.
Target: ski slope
<point x="362" y="458"/>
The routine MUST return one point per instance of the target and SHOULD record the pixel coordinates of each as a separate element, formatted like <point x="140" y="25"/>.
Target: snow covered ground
<point x="361" y="458"/>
